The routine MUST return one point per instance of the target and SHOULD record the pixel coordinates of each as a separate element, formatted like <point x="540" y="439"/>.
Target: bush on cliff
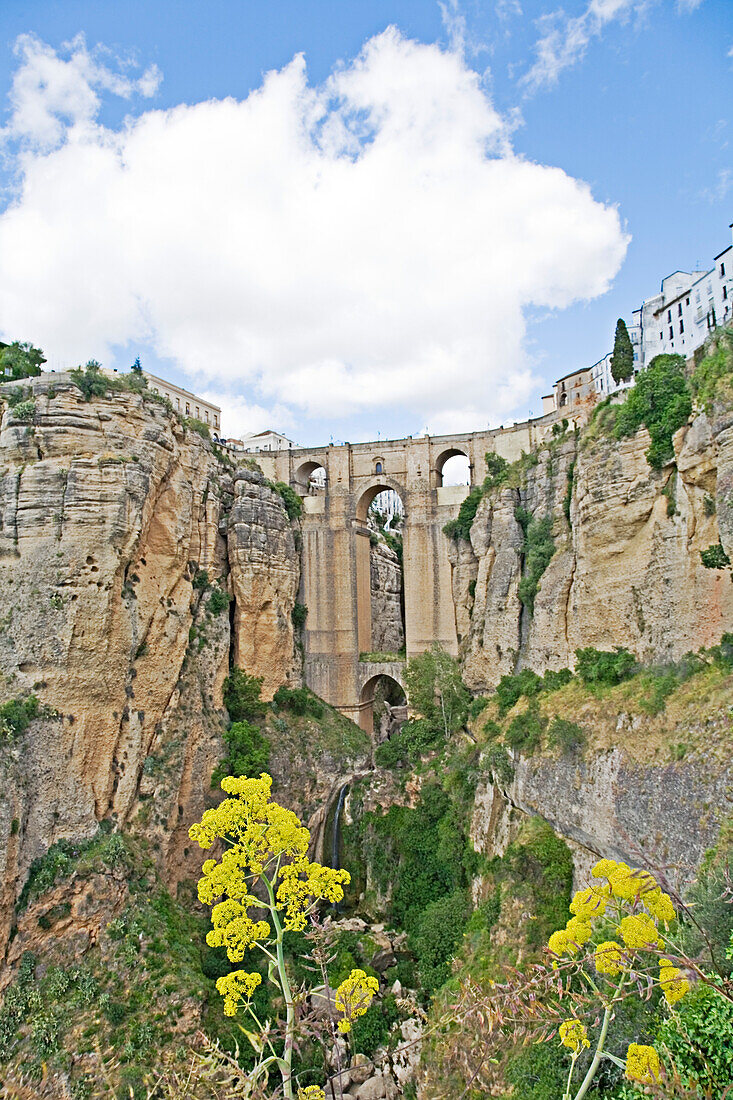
<point x="603" y="667"/>
<point x="248" y="753"/>
<point x="713" y="377"/>
<point x="242" y="696"/>
<point x="660" y="402"/>
<point x="20" y="360"/>
<point x="460" y="528"/>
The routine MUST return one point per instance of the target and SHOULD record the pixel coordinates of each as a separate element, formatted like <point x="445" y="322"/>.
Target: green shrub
<point x="90" y="380"/>
<point x="568" y="498"/>
<point x="241" y="695"/>
<point x="497" y="471"/>
<point x="248" y="753"/>
<point x="299" y="615"/>
<point x="660" y="401"/>
<point x="565" y="735"/>
<point x="16" y="715"/>
<point x="714" y="557"/>
<point x="479" y="703"/>
<point x="539" y="1071"/>
<point x="713" y="377"/>
<point x="300" y="701"/>
<point x="219" y="600"/>
<point x="699" y="1037"/>
<point x="499" y="765"/>
<point x="201" y="580"/>
<point x="439" y="931"/>
<point x="460" y="528"/>
<point x="537" y="548"/>
<point x="601" y="667"/>
<point x="25" y="411"/>
<point x="553" y="681"/>
<point x="372" y="1030"/>
<point x="197" y="426"/>
<point x="524" y="733"/>
<point x="436" y="691"/>
<point x="291" y="500"/>
<point x="416" y="737"/>
<point x="511" y="688"/>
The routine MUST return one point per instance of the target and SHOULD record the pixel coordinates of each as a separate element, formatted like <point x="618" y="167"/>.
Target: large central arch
<point x="363" y="538"/>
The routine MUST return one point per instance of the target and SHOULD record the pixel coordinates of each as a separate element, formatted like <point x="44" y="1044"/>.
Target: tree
<point x="136" y="368"/>
<point x="622" y="360"/>
<point x="21" y="360"/>
<point x="436" y="690"/>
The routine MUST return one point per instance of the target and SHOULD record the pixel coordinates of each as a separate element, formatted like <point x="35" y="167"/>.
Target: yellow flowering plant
<point x="632" y="902"/>
<point x="263" y="885"/>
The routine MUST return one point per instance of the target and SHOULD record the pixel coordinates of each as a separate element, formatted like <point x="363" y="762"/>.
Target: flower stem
<point x="287" y="1060"/>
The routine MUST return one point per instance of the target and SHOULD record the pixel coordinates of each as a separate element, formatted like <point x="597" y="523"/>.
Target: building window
<point x="687" y="301"/>
<point x="216" y="421"/>
<point x="661" y="335"/>
<point x="378" y="468"/>
<point x="207" y="416"/>
<point x="669" y="314"/>
<point x="722" y="270"/>
<point x="725" y="292"/>
<point x="197" y="412"/>
<point x="671" y="333"/>
<point x="682" y="326"/>
<point x="679" y="309"/>
<point x="188" y="409"/>
<point x="178" y="403"/>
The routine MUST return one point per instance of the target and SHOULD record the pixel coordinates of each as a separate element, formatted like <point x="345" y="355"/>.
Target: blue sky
<point x="633" y="99"/>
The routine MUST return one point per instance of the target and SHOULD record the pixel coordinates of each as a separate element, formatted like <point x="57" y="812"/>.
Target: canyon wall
<point x="388" y="631"/>
<point x="626" y="569"/>
<point x="115" y="522"/>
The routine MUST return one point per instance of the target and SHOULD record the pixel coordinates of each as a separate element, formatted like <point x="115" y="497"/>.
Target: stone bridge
<point x="335" y="584"/>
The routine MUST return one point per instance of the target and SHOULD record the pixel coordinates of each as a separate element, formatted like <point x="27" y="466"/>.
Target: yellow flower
<point x="578" y="931"/>
<point x="237" y="988"/>
<point x="640" y="931"/>
<point x="672" y="981"/>
<point x="558" y="943"/>
<point x="573" y="1035"/>
<point x="660" y="905"/>
<point x="311" y="1092"/>
<point x="629" y="883"/>
<point x="604" y="868"/>
<point x="642" y="1064"/>
<point x="354" y="996"/>
<point x="591" y="902"/>
<point x="610" y="958"/>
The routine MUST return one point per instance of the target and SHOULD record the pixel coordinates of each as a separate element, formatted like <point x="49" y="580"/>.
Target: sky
<point x="354" y="220"/>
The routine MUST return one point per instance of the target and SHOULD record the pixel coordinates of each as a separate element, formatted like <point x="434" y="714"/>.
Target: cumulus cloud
<point x="330" y="250"/>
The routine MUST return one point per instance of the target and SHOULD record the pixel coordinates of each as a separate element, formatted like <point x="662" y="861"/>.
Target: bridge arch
<point x="445" y="456"/>
<point x="307" y="474"/>
<point x="378" y="485"/>
<point x="393" y="696"/>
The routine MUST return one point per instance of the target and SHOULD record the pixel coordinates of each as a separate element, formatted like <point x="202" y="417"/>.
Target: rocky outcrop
<point x="626" y="569"/>
<point x="115" y="520"/>
<point x="388" y="631"/>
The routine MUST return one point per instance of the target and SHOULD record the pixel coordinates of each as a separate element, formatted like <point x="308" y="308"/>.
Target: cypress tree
<point x="622" y="360"/>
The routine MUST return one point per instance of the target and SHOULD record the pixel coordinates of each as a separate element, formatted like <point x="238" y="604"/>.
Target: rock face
<point x="111" y="512"/>
<point x="388" y="631"/>
<point x="626" y="568"/>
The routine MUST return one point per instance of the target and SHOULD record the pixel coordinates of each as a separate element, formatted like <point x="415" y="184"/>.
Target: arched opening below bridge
<point x="383" y="707"/>
<point x="380" y="600"/>
<point x="453" y="468"/>
<point x="310" y="478"/>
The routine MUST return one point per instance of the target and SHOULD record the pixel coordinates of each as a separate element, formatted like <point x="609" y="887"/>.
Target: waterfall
<point x="336" y="821"/>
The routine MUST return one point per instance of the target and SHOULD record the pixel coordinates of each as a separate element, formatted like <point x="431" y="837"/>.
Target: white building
<point x="185" y="402"/>
<point x="267" y="441"/>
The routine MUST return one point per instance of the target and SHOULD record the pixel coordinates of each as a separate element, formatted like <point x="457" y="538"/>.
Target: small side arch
<point x="306" y="476"/>
<point x="389" y="693"/>
<point x="446" y="456"/>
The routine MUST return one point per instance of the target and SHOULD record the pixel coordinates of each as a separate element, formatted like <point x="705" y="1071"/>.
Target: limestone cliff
<point x="115" y="519"/>
<point x="626" y="568"/>
<point x="388" y="632"/>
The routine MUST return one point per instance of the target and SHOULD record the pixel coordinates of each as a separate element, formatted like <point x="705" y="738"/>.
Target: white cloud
<point x="51" y="93"/>
<point x="565" y="39"/>
<point x="370" y="242"/>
